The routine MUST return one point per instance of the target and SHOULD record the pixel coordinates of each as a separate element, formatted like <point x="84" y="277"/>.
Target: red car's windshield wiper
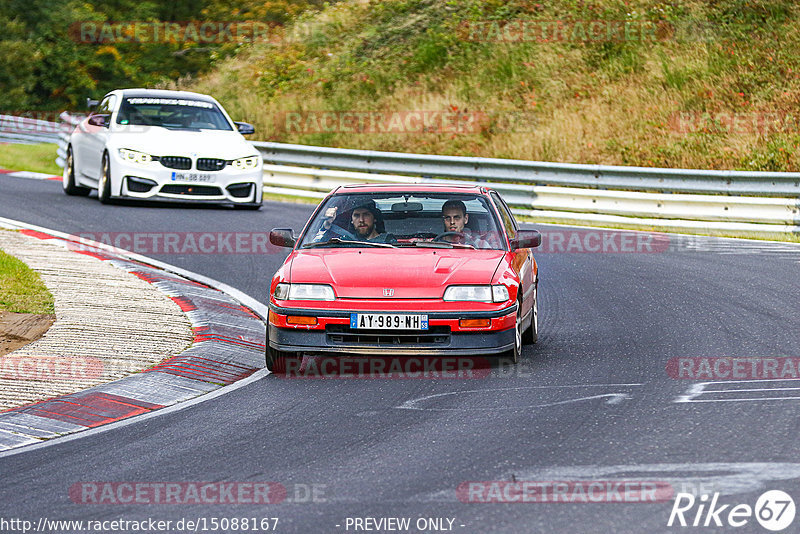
<point x="437" y="244"/>
<point x="337" y="241"/>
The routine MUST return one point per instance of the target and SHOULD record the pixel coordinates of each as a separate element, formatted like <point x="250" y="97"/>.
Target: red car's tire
<point x="279" y="362"/>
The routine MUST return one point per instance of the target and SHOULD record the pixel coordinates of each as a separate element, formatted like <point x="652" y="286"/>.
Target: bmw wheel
<point x="68" y="178"/>
<point x="104" y="185"/>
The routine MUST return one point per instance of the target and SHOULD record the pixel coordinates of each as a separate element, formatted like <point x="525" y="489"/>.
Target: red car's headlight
<point x="498" y="293"/>
<point x="285" y="291"/>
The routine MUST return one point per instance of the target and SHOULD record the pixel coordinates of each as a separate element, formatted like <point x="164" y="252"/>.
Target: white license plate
<point x="192" y="177"/>
<point x="388" y="321"/>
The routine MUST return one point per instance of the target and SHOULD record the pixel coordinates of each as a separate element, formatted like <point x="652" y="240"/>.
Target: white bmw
<point x="163" y="145"/>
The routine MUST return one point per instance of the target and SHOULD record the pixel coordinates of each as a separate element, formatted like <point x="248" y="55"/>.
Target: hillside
<point x="711" y="84"/>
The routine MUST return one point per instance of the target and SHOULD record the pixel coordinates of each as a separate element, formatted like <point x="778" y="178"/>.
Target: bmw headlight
<point x="498" y="293"/>
<point x="135" y="157"/>
<point x="285" y="291"/>
<point x="245" y="164"/>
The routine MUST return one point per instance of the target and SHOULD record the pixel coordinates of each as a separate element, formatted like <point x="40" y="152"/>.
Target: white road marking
<point x="704" y="388"/>
<point x="613" y="398"/>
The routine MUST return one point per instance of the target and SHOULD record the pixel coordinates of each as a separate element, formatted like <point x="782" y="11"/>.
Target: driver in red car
<point x="455" y="219"/>
<point x="366" y="224"/>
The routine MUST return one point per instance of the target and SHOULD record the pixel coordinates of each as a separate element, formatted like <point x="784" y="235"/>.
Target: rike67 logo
<point x="774" y="510"/>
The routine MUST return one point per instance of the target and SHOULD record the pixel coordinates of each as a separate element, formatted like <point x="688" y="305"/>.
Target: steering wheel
<point x="340" y="232"/>
<point x="445" y="234"/>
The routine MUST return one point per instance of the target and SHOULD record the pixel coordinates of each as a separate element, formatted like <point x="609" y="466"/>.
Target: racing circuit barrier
<point x="27" y="130"/>
<point x="746" y="202"/>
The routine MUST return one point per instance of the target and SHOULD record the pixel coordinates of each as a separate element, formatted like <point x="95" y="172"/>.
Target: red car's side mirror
<point x="282" y="237"/>
<point x="526" y="239"/>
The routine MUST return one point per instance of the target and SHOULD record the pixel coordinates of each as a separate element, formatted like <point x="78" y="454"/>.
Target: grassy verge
<point x="36" y="158"/>
<point x="21" y="289"/>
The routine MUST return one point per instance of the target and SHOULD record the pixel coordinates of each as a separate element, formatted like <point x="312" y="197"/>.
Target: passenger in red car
<point x="455" y="219"/>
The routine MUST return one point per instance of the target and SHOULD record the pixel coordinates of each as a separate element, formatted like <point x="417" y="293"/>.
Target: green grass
<point x="21" y="289"/>
<point x="36" y="158"/>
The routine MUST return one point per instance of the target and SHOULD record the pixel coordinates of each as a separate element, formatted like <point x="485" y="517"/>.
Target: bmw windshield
<point x="431" y="220"/>
<point x="172" y="113"/>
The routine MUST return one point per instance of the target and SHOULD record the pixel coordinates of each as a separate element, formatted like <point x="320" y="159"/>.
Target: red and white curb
<point x="29" y="175"/>
<point x="228" y="347"/>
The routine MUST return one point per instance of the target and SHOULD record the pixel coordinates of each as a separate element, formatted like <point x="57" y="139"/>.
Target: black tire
<point x="531" y="335"/>
<point x="514" y="354"/>
<point x="278" y="361"/>
<point x="104" y="184"/>
<point x="68" y="178"/>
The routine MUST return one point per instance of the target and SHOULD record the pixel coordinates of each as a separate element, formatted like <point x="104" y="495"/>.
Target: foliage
<point x="47" y="63"/>
<point x="610" y="100"/>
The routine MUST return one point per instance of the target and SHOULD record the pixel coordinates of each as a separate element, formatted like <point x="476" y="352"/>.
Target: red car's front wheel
<point x="280" y="362"/>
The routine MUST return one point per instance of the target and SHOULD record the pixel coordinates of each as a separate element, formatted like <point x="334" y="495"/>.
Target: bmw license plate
<point x="192" y="177"/>
<point x="388" y="321"/>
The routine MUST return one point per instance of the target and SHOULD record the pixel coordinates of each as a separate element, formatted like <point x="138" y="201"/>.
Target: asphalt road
<point x="591" y="401"/>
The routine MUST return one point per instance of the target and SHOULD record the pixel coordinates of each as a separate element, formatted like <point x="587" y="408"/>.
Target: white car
<point x="163" y="145"/>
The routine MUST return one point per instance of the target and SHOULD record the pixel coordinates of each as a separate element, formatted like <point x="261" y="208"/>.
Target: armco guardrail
<point x="27" y="130"/>
<point x="753" y="215"/>
<point x="536" y="172"/>
<point x="677" y="199"/>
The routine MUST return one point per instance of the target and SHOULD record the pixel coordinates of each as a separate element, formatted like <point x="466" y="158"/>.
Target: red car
<point x="404" y="270"/>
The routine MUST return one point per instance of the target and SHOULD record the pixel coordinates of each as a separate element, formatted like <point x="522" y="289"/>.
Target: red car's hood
<point x="411" y="273"/>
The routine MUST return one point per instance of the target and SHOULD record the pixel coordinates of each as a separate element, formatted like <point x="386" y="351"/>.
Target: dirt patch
<point x="19" y="329"/>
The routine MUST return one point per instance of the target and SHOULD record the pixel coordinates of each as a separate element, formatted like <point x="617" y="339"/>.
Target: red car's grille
<point x="344" y="335"/>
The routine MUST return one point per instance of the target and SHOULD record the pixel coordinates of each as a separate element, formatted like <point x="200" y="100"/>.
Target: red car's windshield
<point x="405" y="220"/>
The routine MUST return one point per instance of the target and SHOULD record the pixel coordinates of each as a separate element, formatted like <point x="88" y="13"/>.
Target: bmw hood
<point x="405" y="273"/>
<point x="158" y="141"/>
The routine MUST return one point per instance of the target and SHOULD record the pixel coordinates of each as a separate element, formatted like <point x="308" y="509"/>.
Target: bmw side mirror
<point x="99" y="120"/>
<point x="282" y="237"/>
<point x="245" y="128"/>
<point x="91" y="104"/>
<point x="526" y="239"/>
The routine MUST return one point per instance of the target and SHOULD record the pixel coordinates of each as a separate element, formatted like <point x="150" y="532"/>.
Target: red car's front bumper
<point x="453" y="333"/>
